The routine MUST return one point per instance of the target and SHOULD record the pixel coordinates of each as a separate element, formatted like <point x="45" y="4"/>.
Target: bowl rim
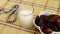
<point x="38" y="26"/>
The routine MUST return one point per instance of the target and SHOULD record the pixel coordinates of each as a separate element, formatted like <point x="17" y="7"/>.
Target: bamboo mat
<point x="51" y="6"/>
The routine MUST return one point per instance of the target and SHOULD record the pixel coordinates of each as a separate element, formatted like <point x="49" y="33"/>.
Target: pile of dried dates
<point x="48" y="24"/>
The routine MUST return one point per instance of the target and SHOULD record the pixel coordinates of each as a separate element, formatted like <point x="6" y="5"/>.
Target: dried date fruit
<point x="44" y="17"/>
<point x="53" y="18"/>
<point x="52" y="26"/>
<point x="58" y="23"/>
<point x="48" y="24"/>
<point x="41" y="22"/>
<point x="48" y="31"/>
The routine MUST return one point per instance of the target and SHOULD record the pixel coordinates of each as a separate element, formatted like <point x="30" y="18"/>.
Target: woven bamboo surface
<point x="52" y="6"/>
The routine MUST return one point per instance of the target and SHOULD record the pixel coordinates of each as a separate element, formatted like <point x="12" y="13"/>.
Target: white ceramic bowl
<point x="45" y="13"/>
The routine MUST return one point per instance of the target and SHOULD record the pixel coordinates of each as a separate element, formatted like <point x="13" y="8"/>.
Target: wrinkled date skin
<point x="58" y="24"/>
<point x="48" y="24"/>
